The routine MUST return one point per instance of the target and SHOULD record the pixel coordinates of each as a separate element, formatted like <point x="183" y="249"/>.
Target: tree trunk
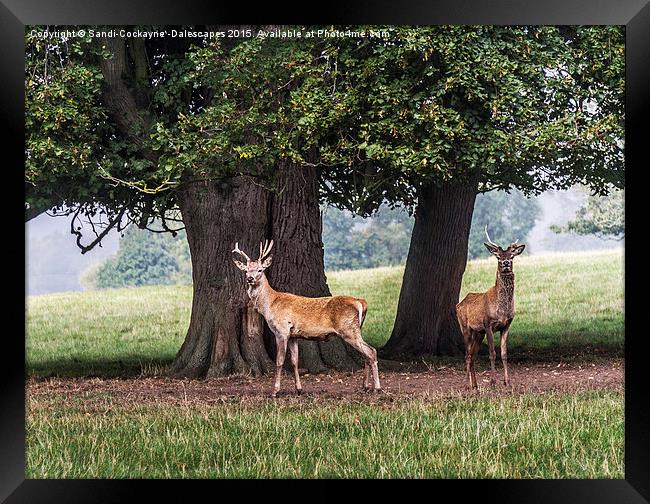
<point x="225" y="335"/>
<point x="298" y="265"/>
<point x="426" y="312"/>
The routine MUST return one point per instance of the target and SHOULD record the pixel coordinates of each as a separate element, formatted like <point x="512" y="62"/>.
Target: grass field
<point x="563" y="301"/>
<point x="527" y="436"/>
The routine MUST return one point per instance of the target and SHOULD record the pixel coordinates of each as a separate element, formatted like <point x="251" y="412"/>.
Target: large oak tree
<point x="429" y="116"/>
<point x="165" y="133"/>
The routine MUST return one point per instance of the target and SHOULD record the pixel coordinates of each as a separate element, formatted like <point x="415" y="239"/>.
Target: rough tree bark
<point x="426" y="312"/>
<point x="225" y="335"/>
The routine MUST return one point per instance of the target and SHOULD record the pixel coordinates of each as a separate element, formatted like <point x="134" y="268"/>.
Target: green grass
<point x="543" y="436"/>
<point x="569" y="299"/>
<point x="562" y="301"/>
<point x="113" y="331"/>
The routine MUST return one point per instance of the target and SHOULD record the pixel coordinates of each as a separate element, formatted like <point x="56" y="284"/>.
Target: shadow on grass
<point x="127" y="367"/>
<point x="137" y="365"/>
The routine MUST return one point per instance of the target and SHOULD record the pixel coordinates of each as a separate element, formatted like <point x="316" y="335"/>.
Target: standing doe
<point x="491" y="311"/>
<point x="291" y="317"/>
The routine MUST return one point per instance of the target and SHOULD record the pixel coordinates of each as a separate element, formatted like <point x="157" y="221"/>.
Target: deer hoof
<point x="299" y="391"/>
<point x="273" y="395"/>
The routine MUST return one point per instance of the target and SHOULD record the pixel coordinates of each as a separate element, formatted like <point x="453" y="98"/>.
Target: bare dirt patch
<point x="431" y="382"/>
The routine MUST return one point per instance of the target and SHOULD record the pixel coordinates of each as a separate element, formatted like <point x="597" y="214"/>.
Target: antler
<point x="488" y="237"/>
<point x="240" y="252"/>
<point x="264" y="250"/>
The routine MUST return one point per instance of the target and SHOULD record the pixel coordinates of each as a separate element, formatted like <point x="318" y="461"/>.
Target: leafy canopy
<point x="527" y="107"/>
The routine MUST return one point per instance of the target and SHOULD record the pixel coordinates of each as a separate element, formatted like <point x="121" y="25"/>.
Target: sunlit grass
<point x="568" y="299"/>
<point x="107" y="331"/>
<point x="562" y="301"/>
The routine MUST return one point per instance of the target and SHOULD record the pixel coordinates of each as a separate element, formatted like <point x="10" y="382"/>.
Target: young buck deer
<point x="291" y="317"/>
<point x="491" y="311"/>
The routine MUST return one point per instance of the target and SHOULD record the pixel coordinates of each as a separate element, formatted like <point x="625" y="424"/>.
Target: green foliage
<point x="508" y="217"/>
<point x="66" y="126"/>
<point x="383" y="241"/>
<point x="603" y="216"/>
<point x="145" y="259"/>
<point x="532" y="107"/>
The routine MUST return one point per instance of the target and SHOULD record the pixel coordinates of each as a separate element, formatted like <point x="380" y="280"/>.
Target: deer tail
<point x="363" y="309"/>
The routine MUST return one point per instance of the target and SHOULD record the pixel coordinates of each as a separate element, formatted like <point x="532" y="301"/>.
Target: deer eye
<point x="259" y="270"/>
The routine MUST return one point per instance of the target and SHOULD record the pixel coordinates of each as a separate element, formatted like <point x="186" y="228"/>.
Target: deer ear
<point x="240" y="265"/>
<point x="518" y="249"/>
<point x="267" y="262"/>
<point x="492" y="249"/>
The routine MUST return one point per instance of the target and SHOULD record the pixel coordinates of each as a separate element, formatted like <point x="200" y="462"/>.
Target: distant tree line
<point x="353" y="243"/>
<point x="508" y="217"/>
<point x="349" y="242"/>
<point x="144" y="258"/>
<point x="602" y="216"/>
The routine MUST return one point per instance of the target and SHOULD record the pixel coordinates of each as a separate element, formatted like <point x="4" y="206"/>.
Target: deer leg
<point x="504" y="355"/>
<point x="373" y="365"/>
<point x="493" y="354"/>
<point x="366" y="379"/>
<point x="470" y="353"/>
<point x="370" y="355"/>
<point x="293" y="348"/>
<point x="478" y="338"/>
<point x="468" y="359"/>
<point x="467" y="337"/>
<point x="368" y="352"/>
<point x="281" y="343"/>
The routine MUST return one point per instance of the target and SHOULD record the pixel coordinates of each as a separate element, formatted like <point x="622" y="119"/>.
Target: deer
<point x="291" y="317"/>
<point x="485" y="313"/>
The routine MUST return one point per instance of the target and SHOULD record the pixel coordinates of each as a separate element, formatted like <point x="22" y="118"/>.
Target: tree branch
<point x="111" y="225"/>
<point x="133" y="122"/>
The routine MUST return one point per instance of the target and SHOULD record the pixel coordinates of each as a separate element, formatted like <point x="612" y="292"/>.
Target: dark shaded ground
<point x="132" y="365"/>
<point x="413" y="380"/>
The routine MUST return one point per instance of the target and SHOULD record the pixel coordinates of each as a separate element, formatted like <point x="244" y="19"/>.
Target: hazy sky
<point x="53" y="262"/>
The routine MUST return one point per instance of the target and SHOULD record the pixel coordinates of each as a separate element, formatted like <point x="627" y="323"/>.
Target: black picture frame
<point x="634" y="14"/>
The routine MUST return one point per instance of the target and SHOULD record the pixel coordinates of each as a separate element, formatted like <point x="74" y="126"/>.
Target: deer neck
<point x="261" y="294"/>
<point x="505" y="287"/>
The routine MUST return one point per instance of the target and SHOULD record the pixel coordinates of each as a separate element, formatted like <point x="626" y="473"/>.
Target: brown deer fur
<point x="481" y="314"/>
<point x="291" y="317"/>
